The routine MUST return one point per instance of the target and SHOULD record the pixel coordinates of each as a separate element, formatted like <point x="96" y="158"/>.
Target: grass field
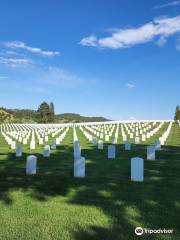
<point x="105" y="205"/>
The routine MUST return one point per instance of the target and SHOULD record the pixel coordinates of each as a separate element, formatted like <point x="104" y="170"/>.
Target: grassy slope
<point x="5" y="117"/>
<point x="105" y="205"/>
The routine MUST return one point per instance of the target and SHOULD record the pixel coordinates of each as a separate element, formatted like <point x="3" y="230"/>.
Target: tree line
<point x="177" y="113"/>
<point x="44" y="114"/>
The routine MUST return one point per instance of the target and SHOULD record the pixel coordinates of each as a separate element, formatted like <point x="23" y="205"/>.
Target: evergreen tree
<point x="177" y="113"/>
<point x="52" y="112"/>
<point x="44" y="112"/>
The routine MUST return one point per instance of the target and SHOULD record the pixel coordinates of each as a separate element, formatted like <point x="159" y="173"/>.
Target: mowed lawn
<point x="105" y="205"/>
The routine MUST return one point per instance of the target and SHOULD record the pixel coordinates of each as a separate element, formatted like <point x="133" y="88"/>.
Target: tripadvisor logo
<point x="139" y="231"/>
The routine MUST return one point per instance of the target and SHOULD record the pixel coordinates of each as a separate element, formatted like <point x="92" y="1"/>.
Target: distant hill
<point x="71" y="117"/>
<point x="31" y="116"/>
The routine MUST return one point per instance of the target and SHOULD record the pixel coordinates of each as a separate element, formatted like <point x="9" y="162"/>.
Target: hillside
<point x="78" y="118"/>
<point x="31" y="116"/>
<point x="5" y="116"/>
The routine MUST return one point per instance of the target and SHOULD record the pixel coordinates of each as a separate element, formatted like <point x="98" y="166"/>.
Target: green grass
<point x="105" y="205"/>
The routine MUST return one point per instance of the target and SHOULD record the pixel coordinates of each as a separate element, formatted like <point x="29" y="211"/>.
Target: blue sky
<point x="119" y="59"/>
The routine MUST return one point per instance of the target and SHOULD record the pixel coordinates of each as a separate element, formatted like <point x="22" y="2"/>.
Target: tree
<point x="177" y="113"/>
<point x="51" y="111"/>
<point x="44" y="112"/>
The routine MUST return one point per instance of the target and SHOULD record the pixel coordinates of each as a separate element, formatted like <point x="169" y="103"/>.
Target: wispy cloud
<point x="170" y="4"/>
<point x="30" y="89"/>
<point x="89" y="41"/>
<point x="15" y="62"/>
<point x="161" y="28"/>
<point x="46" y="78"/>
<point x="130" y="85"/>
<point x="12" y="53"/>
<point x="22" y="45"/>
<point x="59" y="77"/>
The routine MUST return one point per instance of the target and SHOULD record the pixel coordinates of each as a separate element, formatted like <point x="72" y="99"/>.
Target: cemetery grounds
<point x="104" y="205"/>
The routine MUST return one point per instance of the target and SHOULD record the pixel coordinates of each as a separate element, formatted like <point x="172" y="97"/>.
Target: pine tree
<point x="52" y="112"/>
<point x="44" y="112"/>
<point x="177" y="113"/>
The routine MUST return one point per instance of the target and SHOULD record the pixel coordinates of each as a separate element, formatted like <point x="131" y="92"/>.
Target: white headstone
<point x="46" y="151"/>
<point x="137" y="140"/>
<point x="31" y="162"/>
<point x="100" y="145"/>
<point x="25" y="141"/>
<point x="53" y="145"/>
<point x="148" y="135"/>
<point x="127" y="145"/>
<point x="137" y="133"/>
<point x="40" y="141"/>
<point x="32" y="145"/>
<point x="111" y="151"/>
<point x="79" y="167"/>
<point x="131" y="135"/>
<point x="13" y="145"/>
<point x="57" y="140"/>
<point x="101" y="135"/>
<point x="77" y="150"/>
<point x="124" y="138"/>
<point x="151" y="153"/>
<point x="94" y="141"/>
<point x="143" y="137"/>
<point x="114" y="140"/>
<point x="137" y="169"/>
<point x="158" y="145"/>
<point x="107" y="138"/>
<point x="19" y="151"/>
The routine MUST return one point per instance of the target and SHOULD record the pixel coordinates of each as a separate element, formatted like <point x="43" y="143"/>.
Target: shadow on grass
<point x="154" y="204"/>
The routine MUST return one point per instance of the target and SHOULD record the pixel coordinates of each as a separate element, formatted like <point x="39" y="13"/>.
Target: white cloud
<point x="160" y="28"/>
<point x="170" y="4"/>
<point x="22" y="45"/>
<point x="89" y="41"/>
<point x="15" y="62"/>
<point x="130" y="85"/>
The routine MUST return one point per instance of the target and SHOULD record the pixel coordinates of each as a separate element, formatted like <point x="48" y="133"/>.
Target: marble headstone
<point x="151" y="153"/>
<point x="79" y="167"/>
<point x="31" y="162"/>
<point x="127" y="145"/>
<point x="111" y="152"/>
<point x="19" y="151"/>
<point x="77" y="150"/>
<point x="46" y="151"/>
<point x="137" y="140"/>
<point x="100" y="145"/>
<point x="137" y="169"/>
<point x="158" y="145"/>
<point x="53" y="145"/>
